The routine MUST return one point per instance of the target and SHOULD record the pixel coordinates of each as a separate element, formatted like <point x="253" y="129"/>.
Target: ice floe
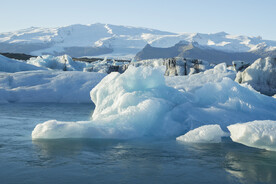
<point x="259" y="134"/>
<point x="203" y="134"/>
<point x="65" y="63"/>
<point x="48" y="86"/>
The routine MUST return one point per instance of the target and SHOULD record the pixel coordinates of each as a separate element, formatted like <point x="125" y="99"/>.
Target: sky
<point x="238" y="17"/>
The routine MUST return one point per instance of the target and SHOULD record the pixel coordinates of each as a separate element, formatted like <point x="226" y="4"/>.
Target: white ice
<point x="139" y="103"/>
<point x="65" y="63"/>
<point x="47" y="86"/>
<point x="203" y="134"/>
<point x="261" y="75"/>
<point x="12" y="65"/>
<point x="258" y="134"/>
<point x="124" y="39"/>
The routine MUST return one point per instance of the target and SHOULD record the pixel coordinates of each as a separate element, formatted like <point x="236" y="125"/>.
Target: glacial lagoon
<point x="23" y="160"/>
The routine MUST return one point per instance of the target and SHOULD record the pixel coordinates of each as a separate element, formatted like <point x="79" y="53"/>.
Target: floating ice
<point x="261" y="75"/>
<point x="48" y="86"/>
<point x="138" y="103"/>
<point x="64" y="63"/>
<point x="128" y="105"/>
<point x="203" y="134"/>
<point x="258" y="134"/>
<point x="11" y="65"/>
<point x="193" y="82"/>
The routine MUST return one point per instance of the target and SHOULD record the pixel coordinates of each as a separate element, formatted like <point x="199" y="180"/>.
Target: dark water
<point x="117" y="161"/>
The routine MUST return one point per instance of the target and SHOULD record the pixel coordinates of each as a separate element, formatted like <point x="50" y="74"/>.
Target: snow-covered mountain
<point x="102" y="39"/>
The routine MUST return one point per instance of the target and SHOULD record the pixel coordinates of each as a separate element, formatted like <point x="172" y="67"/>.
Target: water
<point x="117" y="161"/>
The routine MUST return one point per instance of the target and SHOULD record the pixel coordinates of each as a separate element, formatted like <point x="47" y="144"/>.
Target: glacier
<point x="142" y="103"/>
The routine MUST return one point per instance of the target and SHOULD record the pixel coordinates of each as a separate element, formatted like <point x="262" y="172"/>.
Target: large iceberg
<point x="12" y="65"/>
<point x="139" y="103"/>
<point x="258" y="134"/>
<point x="261" y="75"/>
<point x="203" y="134"/>
<point x="127" y="106"/>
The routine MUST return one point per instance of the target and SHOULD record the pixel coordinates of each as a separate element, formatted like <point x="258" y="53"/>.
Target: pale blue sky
<point x="245" y="17"/>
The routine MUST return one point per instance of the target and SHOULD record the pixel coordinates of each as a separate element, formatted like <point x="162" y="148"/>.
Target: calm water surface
<point x="117" y="161"/>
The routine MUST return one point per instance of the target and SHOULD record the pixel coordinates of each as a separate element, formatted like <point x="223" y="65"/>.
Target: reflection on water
<point x="118" y="161"/>
<point x="248" y="165"/>
<point x="71" y="147"/>
<point x="252" y="166"/>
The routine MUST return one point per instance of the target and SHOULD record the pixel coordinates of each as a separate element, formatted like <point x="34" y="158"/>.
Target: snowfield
<point x="124" y="40"/>
<point x="143" y="103"/>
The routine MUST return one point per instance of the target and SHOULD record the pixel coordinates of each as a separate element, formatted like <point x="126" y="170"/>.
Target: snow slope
<point x="123" y="40"/>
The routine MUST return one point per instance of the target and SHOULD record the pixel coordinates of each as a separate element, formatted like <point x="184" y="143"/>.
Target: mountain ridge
<point x="107" y="39"/>
<point x="194" y="51"/>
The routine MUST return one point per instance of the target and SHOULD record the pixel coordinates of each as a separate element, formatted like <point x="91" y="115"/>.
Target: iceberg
<point x="261" y="75"/>
<point x="258" y="134"/>
<point x="48" y="86"/>
<point x="128" y="105"/>
<point x="12" y="65"/>
<point x="141" y="102"/>
<point x="203" y="134"/>
<point x="190" y="83"/>
<point x="65" y="63"/>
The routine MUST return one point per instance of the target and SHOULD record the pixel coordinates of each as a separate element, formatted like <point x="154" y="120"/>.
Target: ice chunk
<point x="258" y="134"/>
<point x="11" y="65"/>
<point x="138" y="103"/>
<point x="203" y="134"/>
<point x="64" y="63"/>
<point x="48" y="86"/>
<point x="261" y="75"/>
<point x="193" y="82"/>
<point x="240" y="65"/>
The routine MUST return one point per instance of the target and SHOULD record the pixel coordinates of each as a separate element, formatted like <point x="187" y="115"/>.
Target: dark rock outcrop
<point x="18" y="56"/>
<point x="240" y="66"/>
<point x="182" y="66"/>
